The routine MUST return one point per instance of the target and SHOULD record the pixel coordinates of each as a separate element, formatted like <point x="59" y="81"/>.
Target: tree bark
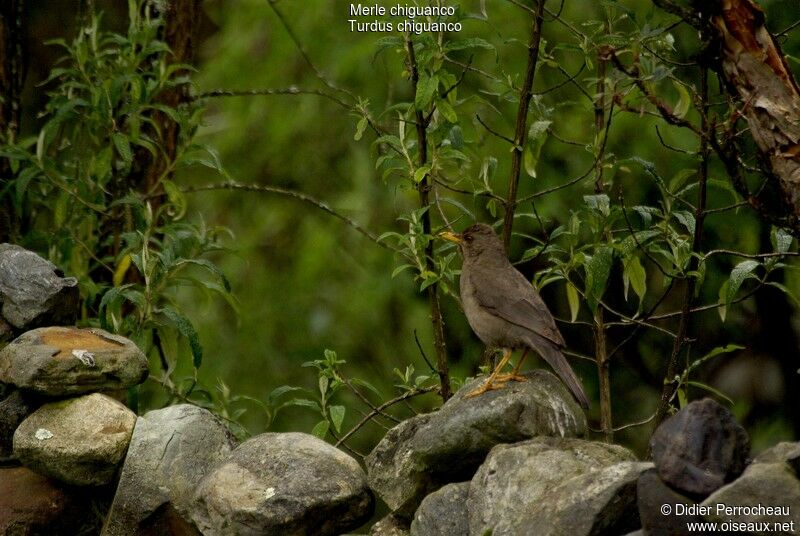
<point x="756" y="73"/>
<point x="181" y="24"/>
<point x="11" y="76"/>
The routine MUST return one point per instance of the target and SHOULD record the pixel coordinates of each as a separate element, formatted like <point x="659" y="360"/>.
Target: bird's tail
<point x="555" y="358"/>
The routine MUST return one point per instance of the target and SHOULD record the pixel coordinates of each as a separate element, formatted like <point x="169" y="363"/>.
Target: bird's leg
<point x="515" y="376"/>
<point x="489" y="384"/>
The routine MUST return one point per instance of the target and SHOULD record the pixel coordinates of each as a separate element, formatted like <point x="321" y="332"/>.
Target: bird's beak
<point x="451" y="237"/>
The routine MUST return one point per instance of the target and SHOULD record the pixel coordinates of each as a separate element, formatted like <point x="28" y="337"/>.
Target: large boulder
<point x="515" y="478"/>
<point x="662" y="510"/>
<point x="171" y="450"/>
<point x="33" y="291"/>
<point x="602" y="501"/>
<point x="287" y="484"/>
<point x="79" y="441"/>
<point x="423" y="453"/>
<point x="700" y="448"/>
<point x="443" y="512"/>
<point x="58" y="361"/>
<point x="31" y="504"/>
<point x="765" y="493"/>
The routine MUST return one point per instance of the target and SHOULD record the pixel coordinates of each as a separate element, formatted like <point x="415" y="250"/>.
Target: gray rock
<point x="443" y="512"/>
<point x="423" y="453"/>
<point x="171" y="450"/>
<point x="79" y="441"/>
<point x="390" y="525"/>
<point x="283" y="484"/>
<point x="652" y="496"/>
<point x="700" y="448"/>
<point x="14" y="408"/>
<point x="33" y="292"/>
<point x="598" y="502"/>
<point x="515" y="478"/>
<point x="761" y="484"/>
<point x="782" y="452"/>
<point x="59" y="361"/>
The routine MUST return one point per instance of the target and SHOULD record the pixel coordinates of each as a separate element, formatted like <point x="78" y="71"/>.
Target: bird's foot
<point x="489" y="385"/>
<point x="512" y="377"/>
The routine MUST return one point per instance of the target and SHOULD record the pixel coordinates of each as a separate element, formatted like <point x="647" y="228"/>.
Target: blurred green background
<point x="305" y="282"/>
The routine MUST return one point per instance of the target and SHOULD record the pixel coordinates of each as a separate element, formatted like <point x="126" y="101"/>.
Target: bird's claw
<point x="512" y="377"/>
<point x="488" y="385"/>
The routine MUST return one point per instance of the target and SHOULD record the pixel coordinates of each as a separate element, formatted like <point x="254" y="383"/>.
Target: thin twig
<point x="371" y="414"/>
<point x="520" y="130"/>
<point x="494" y="132"/>
<point x="299" y="196"/>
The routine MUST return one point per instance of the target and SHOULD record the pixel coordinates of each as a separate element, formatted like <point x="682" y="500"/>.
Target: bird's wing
<point x="510" y="296"/>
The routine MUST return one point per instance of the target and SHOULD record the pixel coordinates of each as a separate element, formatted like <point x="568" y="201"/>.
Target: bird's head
<point x="476" y="241"/>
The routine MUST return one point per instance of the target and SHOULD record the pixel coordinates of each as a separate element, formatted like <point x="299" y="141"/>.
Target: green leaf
<point x="741" y="272"/>
<point x="574" y="301"/>
<point x="456" y="137"/>
<point x="321" y="429"/>
<point x="123" y="147"/>
<point x="598" y="268"/>
<point x="420" y="173"/>
<point x="636" y="275"/>
<point x="365" y="383"/>
<point x="323" y="385"/>
<point x="537" y="136"/>
<point x="278" y="392"/>
<point x="686" y="219"/>
<point x="360" y="127"/>
<point x="302" y="402"/>
<point x="599" y="202"/>
<point x="425" y="90"/>
<point x="337" y="416"/>
<point x="447" y="111"/>
<point x="719" y="350"/>
<point x="176" y="197"/>
<point x="712" y="390"/>
<point x="185" y="328"/>
<point x="639" y="238"/>
<point x="684" y="100"/>
<point x="781" y="240"/>
<point x="472" y="42"/>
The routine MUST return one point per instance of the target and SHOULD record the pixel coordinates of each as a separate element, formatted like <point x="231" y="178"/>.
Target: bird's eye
<point x="468" y="238"/>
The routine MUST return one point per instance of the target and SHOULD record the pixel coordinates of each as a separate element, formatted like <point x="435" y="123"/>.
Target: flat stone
<point x="31" y="504"/>
<point x="762" y="484"/>
<point x="425" y="452"/>
<point x="516" y="477"/>
<point x="171" y="450"/>
<point x="700" y="448"/>
<point x="79" y="441"/>
<point x="287" y="484"/>
<point x="33" y="291"/>
<point x="58" y="361"/>
<point x="443" y="512"/>
<point x="599" y="502"/>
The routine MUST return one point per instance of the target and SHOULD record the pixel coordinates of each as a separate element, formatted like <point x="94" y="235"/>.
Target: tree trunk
<point x="756" y="73"/>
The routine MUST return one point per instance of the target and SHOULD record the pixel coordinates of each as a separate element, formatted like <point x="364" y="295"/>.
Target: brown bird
<point x="505" y="311"/>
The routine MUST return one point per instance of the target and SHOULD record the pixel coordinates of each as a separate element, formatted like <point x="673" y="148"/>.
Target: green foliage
<point x="620" y="248"/>
<point x="81" y="193"/>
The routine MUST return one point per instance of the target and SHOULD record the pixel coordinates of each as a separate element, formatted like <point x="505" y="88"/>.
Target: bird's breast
<point x="493" y="331"/>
